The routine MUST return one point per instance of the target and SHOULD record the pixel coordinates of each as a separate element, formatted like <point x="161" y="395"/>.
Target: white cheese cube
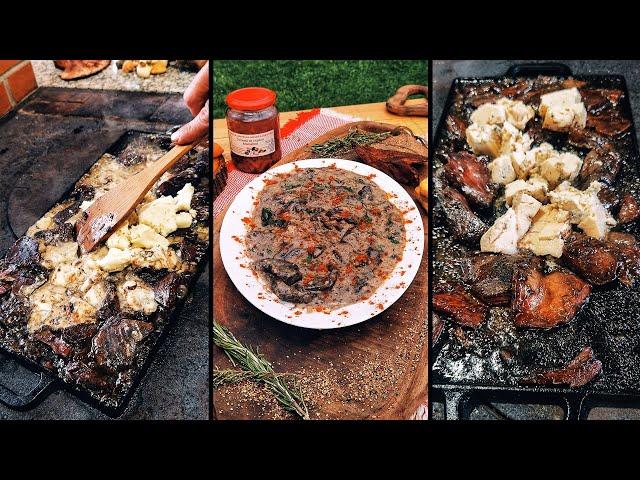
<point x="184" y="197"/>
<point x="526" y="207"/>
<point x="585" y="208"/>
<point x="484" y="139"/>
<point x="501" y="169"/>
<point x="517" y="113"/>
<point x="562" y="109"/>
<point x="96" y="295"/>
<point x="558" y="168"/>
<point x="115" y="260"/>
<point x="54" y="255"/>
<point x="513" y="140"/>
<point x="535" y="157"/>
<point x="502" y="236"/>
<point x="489" y="114"/>
<point x="547" y="232"/>
<point x="143" y="236"/>
<point x="536" y="186"/>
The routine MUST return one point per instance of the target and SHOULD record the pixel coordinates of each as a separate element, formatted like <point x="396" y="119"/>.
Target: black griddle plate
<point x="40" y="383"/>
<point x="609" y="323"/>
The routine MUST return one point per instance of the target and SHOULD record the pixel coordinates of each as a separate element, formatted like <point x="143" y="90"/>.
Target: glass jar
<point x="254" y="129"/>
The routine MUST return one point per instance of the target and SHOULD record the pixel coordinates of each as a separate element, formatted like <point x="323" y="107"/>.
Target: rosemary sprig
<point x="222" y="377"/>
<point x="258" y="367"/>
<point x="339" y="145"/>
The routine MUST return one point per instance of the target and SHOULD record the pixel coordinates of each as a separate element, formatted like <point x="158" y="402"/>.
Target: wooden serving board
<point x="376" y="369"/>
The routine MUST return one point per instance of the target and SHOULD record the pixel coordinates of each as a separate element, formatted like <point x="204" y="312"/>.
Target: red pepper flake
<point x="247" y="221"/>
<point x="236" y="238"/>
<point x="297" y="312"/>
<point x="319" y="308"/>
<point x="286" y="216"/>
<point x="380" y="306"/>
<point x="269" y="181"/>
<point x="307" y="279"/>
<point x="344" y="214"/>
<point x="322" y="269"/>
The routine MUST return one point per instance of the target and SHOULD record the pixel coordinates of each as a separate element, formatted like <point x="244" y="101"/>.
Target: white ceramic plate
<point x="236" y="261"/>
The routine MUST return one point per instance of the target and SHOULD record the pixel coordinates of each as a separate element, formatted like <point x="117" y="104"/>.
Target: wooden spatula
<point x="113" y="207"/>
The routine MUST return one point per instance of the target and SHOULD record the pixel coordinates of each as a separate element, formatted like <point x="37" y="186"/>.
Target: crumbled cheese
<point x="142" y="236"/>
<point x="119" y="238"/>
<point x="115" y="260"/>
<point x="51" y="306"/>
<point x="563" y="109"/>
<point x="501" y="169"/>
<point x="184" y="197"/>
<point x="585" y="208"/>
<point x="184" y="219"/>
<point x="137" y="297"/>
<point x="96" y="295"/>
<point x="547" y="232"/>
<point x="54" y="255"/>
<point x="65" y="274"/>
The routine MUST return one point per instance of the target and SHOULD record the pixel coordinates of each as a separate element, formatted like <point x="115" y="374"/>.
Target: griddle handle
<point x="551" y="69"/>
<point x="17" y="401"/>
<point x="575" y="408"/>
<point x="454" y="405"/>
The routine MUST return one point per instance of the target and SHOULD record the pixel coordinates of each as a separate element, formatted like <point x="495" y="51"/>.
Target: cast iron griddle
<point x="69" y="129"/>
<point x="609" y="322"/>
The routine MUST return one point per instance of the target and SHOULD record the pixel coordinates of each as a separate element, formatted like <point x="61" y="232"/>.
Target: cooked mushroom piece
<point x="465" y="171"/>
<point x="460" y="306"/>
<point x="546" y="301"/>
<point x="578" y="372"/>
<point x="590" y="258"/>
<point x="601" y="165"/>
<point x="629" y="209"/>
<point x="490" y="277"/>
<point x="285" y="271"/>
<point x="465" y="225"/>
<point x="627" y="251"/>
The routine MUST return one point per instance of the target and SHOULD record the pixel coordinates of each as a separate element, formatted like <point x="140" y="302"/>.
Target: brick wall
<point x="17" y="81"/>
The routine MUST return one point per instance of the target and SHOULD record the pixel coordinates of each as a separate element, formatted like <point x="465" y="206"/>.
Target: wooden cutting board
<point x="377" y="369"/>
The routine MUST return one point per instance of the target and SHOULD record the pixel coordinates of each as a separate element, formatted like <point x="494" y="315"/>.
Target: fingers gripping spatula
<point x="108" y="211"/>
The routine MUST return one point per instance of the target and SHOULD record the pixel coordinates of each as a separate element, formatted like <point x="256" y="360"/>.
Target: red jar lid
<point x="251" y="98"/>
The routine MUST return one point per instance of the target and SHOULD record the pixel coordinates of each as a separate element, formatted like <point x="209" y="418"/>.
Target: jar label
<point x="252" y="145"/>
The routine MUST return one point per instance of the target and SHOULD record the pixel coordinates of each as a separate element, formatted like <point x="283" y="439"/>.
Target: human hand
<point x="196" y="97"/>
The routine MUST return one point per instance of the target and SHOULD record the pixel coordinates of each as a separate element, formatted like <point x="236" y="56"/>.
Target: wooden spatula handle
<point x="164" y="163"/>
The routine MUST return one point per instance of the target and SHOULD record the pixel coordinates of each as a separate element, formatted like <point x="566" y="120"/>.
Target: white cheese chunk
<point x="526" y="207"/>
<point x="54" y="255"/>
<point x="501" y="169"/>
<point x="119" y="238"/>
<point x="513" y="140"/>
<point x="558" y="168"/>
<point x="160" y="215"/>
<point x="115" y="260"/>
<point x="96" y="295"/>
<point x="143" y="236"/>
<point x="484" y="139"/>
<point x="533" y="158"/>
<point x="184" y="219"/>
<point x="502" y="236"/>
<point x="135" y="296"/>
<point x="535" y="186"/>
<point x="65" y="275"/>
<point x="184" y="197"/>
<point x="585" y="208"/>
<point x="53" y="307"/>
<point x="547" y="231"/>
<point x="489" y="114"/>
<point x="562" y="110"/>
<point x="517" y="113"/>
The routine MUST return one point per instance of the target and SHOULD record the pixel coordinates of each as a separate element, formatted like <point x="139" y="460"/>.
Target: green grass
<point x="304" y="84"/>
